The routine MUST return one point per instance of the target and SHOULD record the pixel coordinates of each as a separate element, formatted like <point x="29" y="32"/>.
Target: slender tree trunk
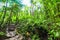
<point x="4" y="13"/>
<point x="3" y="16"/>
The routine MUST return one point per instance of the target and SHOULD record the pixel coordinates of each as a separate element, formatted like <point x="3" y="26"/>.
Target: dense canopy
<point x="38" y="21"/>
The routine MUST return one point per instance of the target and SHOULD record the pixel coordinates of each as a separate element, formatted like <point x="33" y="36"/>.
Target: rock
<point x="11" y="34"/>
<point x="17" y="37"/>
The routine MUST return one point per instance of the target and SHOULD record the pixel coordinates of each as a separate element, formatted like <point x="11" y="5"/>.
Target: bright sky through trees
<point x="25" y="2"/>
<point x="1" y="4"/>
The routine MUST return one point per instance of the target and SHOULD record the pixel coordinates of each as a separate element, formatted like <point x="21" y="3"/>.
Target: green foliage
<point x="2" y="33"/>
<point x="48" y="19"/>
